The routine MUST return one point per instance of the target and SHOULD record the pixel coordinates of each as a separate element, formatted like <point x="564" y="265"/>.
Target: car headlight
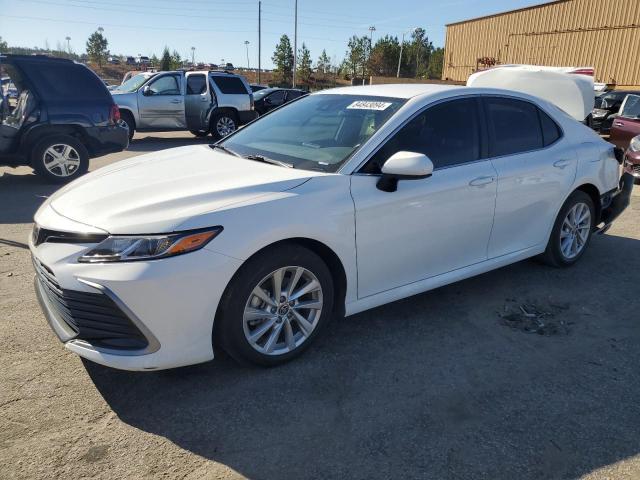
<point x="599" y="113"/>
<point x="128" y="248"/>
<point x="634" y="146"/>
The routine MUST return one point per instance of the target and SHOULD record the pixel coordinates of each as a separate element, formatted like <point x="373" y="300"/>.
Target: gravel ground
<point x="458" y="383"/>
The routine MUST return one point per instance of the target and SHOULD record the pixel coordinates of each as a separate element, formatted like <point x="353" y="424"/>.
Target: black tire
<point x="128" y="119"/>
<point x="40" y="157"/>
<point x="224" y="116"/>
<point x="199" y="133"/>
<point x="229" y="328"/>
<point x="553" y="254"/>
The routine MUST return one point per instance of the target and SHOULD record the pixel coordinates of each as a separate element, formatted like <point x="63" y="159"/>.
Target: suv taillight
<point x="114" y="115"/>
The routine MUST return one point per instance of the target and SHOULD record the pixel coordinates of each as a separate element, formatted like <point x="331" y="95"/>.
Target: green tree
<point x="283" y="60"/>
<point x="176" y="60"/>
<point x="166" y="63"/>
<point x="155" y="61"/>
<point x="436" y="63"/>
<point x="324" y="63"/>
<point x="419" y="52"/>
<point x="354" y="57"/>
<point x="97" y="47"/>
<point x="3" y="45"/>
<point x="304" y="64"/>
<point x="384" y="57"/>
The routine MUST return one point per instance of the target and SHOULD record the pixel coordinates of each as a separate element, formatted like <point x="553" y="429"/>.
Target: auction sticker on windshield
<point x="368" y="105"/>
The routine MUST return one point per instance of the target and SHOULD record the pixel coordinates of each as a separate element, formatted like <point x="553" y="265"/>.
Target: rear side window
<point x="514" y="126"/>
<point x="550" y="130"/>
<point x="65" y="81"/>
<point x="230" y="85"/>
<point x="447" y="133"/>
<point x="196" y="84"/>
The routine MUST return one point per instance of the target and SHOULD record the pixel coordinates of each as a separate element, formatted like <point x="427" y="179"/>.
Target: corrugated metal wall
<point x="604" y="34"/>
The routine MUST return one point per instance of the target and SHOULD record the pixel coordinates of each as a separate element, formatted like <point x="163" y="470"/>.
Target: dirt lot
<point x="457" y="383"/>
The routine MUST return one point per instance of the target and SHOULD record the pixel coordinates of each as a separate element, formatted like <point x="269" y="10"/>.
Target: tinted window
<point x="514" y="126"/>
<point x="230" y="85"/>
<point x="65" y="81"/>
<point x="550" y="130"/>
<point x="167" y="85"/>
<point x="293" y="94"/>
<point x="631" y="107"/>
<point x="196" y="84"/>
<point x="276" y="98"/>
<point x="447" y="133"/>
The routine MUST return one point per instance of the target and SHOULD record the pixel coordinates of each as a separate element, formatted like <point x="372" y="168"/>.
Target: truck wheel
<point x="223" y="124"/>
<point x="127" y="119"/>
<point x="60" y="158"/>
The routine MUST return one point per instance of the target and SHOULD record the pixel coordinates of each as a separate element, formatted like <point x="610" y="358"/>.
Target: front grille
<point x="635" y="168"/>
<point x="94" y="317"/>
<point x="43" y="235"/>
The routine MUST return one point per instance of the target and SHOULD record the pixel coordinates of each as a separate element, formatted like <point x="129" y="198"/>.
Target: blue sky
<point x="219" y="28"/>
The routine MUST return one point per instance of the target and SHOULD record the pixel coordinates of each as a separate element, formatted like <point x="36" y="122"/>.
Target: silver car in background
<point x="202" y="102"/>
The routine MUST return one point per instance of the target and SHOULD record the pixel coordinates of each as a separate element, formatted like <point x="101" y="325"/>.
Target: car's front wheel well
<point x="594" y="193"/>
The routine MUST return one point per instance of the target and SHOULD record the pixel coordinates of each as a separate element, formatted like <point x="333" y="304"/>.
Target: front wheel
<point x="60" y="158"/>
<point x="571" y="232"/>
<point x="275" y="306"/>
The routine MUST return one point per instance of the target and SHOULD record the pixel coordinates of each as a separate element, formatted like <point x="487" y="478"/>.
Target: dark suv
<point x="64" y="115"/>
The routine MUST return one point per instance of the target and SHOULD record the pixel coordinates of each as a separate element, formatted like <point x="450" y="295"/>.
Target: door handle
<point x="176" y="101"/>
<point x="561" y="163"/>
<point x="480" y="181"/>
<point x="619" y="124"/>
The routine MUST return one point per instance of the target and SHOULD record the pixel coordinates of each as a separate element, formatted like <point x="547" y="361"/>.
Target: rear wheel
<point x="571" y="232"/>
<point x="275" y="306"/>
<point x="223" y="124"/>
<point x="60" y="158"/>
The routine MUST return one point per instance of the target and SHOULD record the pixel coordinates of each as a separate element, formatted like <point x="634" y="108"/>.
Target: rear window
<point x="514" y="126"/>
<point x="65" y="81"/>
<point x="196" y="84"/>
<point x="230" y="85"/>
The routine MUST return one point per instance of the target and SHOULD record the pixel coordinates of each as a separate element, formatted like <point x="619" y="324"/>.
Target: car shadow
<point x="21" y="195"/>
<point x="439" y="385"/>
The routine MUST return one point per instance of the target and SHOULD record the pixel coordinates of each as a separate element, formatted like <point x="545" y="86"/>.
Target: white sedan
<point x="339" y="202"/>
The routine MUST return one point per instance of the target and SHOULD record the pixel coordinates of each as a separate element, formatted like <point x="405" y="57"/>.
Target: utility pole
<point x="193" y="56"/>
<point x="259" y="37"/>
<point x="401" y="47"/>
<point x="372" y="29"/>
<point x="68" y="39"/>
<point x="295" y="43"/>
<point x="246" y="44"/>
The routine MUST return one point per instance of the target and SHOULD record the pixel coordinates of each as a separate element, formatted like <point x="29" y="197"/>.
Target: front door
<point x="536" y="169"/>
<point x="627" y="125"/>
<point x="162" y="104"/>
<point x="429" y="226"/>
<point x="197" y="102"/>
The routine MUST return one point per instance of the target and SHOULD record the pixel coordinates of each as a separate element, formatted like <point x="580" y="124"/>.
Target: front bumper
<point x="632" y="163"/>
<point x="172" y="302"/>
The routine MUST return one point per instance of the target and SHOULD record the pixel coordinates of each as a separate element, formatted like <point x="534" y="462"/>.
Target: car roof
<point x="404" y="90"/>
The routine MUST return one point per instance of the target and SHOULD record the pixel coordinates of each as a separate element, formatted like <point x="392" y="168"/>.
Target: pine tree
<point x="166" y="61"/>
<point x="283" y="60"/>
<point x="324" y="63"/>
<point x="304" y="64"/>
<point x="97" y="47"/>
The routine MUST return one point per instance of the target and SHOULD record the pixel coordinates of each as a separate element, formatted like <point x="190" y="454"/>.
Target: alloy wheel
<point x="225" y="126"/>
<point x="61" y="160"/>
<point x="282" y="310"/>
<point x="575" y="229"/>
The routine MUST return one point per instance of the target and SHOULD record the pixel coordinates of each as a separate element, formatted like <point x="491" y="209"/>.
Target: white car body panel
<point x="391" y="245"/>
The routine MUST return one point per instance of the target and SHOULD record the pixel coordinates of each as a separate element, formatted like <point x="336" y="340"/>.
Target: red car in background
<point x="625" y="133"/>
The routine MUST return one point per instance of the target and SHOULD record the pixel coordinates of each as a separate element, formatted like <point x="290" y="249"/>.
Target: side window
<point x="166" y="85"/>
<point x="229" y="85"/>
<point x="277" y="97"/>
<point x="631" y="108"/>
<point x="448" y="133"/>
<point x="550" y="130"/>
<point x="514" y="126"/>
<point x="196" y="84"/>
<point x="293" y="94"/>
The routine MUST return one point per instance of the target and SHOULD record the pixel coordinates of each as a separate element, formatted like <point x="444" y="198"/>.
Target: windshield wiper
<point x="260" y="158"/>
<point x="224" y="149"/>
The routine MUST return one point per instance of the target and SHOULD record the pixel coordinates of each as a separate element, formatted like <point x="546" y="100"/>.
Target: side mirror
<point x="146" y="91"/>
<point x="404" y="166"/>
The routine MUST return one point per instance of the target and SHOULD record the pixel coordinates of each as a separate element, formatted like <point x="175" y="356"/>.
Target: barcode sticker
<point x="368" y="105"/>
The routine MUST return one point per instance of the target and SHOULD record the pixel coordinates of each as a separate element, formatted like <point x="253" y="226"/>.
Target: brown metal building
<point x="604" y="34"/>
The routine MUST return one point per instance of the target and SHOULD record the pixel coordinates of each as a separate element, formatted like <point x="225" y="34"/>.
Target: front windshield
<point x="317" y="132"/>
<point x="134" y="83"/>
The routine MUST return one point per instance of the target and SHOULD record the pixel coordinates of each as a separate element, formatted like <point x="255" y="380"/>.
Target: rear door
<point x="627" y="125"/>
<point x="232" y="92"/>
<point x="163" y="106"/>
<point x="536" y="170"/>
<point x="197" y="102"/>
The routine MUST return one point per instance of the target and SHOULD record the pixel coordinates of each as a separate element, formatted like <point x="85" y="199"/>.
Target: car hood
<point x="157" y="192"/>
